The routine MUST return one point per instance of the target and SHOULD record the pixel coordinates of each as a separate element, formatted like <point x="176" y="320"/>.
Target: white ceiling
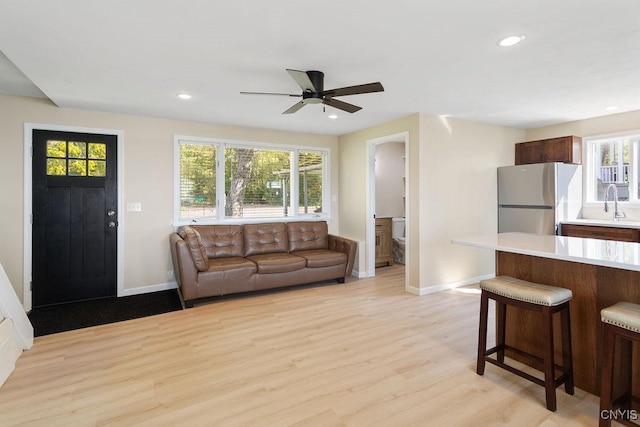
<point x="432" y="56"/>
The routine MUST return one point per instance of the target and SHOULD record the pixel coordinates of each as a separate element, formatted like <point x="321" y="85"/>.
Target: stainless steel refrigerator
<point x="536" y="198"/>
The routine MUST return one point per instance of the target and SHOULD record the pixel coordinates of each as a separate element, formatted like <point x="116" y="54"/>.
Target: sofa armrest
<point x="346" y="246"/>
<point x="184" y="267"/>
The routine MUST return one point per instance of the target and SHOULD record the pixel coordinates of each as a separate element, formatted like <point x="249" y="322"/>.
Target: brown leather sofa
<point x="212" y="260"/>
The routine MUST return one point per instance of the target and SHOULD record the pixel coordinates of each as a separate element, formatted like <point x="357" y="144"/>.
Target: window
<point x="76" y="158"/>
<point x="257" y="182"/>
<point x="613" y="161"/>
<point x="224" y="180"/>
<point x="197" y="180"/>
<point x="310" y="177"/>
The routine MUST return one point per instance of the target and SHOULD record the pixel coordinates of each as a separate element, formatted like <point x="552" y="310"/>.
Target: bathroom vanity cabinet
<point x="384" y="242"/>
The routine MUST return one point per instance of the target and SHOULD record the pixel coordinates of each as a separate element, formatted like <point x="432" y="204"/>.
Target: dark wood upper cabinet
<point x="565" y="149"/>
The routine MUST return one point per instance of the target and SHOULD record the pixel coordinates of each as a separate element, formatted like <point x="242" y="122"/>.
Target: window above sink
<point x="613" y="160"/>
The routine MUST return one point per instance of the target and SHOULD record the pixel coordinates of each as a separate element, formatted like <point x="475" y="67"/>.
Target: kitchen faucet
<point x="616" y="215"/>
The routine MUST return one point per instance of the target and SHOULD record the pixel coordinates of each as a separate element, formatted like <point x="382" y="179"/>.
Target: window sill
<point x="241" y="221"/>
<point x="623" y="204"/>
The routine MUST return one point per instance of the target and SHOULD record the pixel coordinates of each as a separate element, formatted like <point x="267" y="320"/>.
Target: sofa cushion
<point x="221" y="240"/>
<point x="265" y="238"/>
<point x="194" y="242"/>
<point x="307" y="235"/>
<point x="322" y="257"/>
<point x="277" y="262"/>
<point x="228" y="268"/>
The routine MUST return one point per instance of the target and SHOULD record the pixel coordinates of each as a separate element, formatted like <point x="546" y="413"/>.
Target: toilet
<point x="397" y="233"/>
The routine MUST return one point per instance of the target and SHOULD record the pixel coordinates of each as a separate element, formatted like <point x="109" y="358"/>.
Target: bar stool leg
<point x="547" y="344"/>
<point x="501" y="322"/>
<point x="606" y="387"/>
<point x="567" y="354"/>
<point x="482" y="333"/>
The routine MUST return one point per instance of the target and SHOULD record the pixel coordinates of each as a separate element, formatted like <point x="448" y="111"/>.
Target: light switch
<point x="134" y="207"/>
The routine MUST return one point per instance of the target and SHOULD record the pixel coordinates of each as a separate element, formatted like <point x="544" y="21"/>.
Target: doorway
<point x="74" y="225"/>
<point x="401" y="191"/>
<point x="74" y="200"/>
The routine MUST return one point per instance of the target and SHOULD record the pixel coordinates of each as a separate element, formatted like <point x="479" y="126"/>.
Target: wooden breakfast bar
<point x="599" y="273"/>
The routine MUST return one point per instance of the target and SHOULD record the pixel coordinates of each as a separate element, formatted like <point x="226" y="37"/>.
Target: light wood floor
<point x="361" y="354"/>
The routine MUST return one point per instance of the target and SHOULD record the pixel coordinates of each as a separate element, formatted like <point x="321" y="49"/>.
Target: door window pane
<point x="97" y="151"/>
<point x="56" y="167"/>
<point x="77" y="150"/>
<point x="70" y="158"/>
<point x="97" y="168"/>
<point x="77" y="167"/>
<point x="56" y="149"/>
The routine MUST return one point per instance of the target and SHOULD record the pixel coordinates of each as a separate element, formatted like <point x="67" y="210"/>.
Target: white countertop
<point x="604" y="223"/>
<point x="607" y="253"/>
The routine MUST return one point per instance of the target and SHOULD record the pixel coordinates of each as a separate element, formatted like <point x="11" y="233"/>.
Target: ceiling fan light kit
<point x="312" y="85"/>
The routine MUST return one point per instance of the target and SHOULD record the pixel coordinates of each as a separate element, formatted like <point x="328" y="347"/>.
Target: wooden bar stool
<point x="547" y="300"/>
<point x="621" y="320"/>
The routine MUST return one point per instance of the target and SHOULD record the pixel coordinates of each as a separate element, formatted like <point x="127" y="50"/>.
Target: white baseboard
<point x="358" y="274"/>
<point x="148" y="289"/>
<point x="355" y="273"/>
<point x="447" y="286"/>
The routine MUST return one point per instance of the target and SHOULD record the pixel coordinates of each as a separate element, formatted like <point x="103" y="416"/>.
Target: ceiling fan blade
<point x="355" y="90"/>
<point x="295" y="107"/>
<point x="303" y="80"/>
<point x="269" y="93"/>
<point x="340" y="105"/>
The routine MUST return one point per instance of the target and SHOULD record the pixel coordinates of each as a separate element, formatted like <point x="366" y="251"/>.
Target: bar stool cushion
<point x="623" y="314"/>
<point x="530" y="292"/>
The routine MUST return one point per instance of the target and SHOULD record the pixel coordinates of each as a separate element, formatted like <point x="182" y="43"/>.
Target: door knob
<point x="112" y="224"/>
<point x="111" y="213"/>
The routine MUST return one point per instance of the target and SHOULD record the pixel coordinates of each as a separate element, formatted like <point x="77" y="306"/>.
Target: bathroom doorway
<point x="387" y="205"/>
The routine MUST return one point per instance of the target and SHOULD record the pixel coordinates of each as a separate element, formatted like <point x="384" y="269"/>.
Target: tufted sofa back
<point x="307" y="235"/>
<point x="265" y="238"/>
<point x="221" y="241"/>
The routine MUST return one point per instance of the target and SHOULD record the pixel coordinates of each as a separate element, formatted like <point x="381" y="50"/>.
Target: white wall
<point x="390" y="179"/>
<point x="458" y="196"/>
<point x="148" y="178"/>
<point x="452" y="192"/>
<point x="353" y="187"/>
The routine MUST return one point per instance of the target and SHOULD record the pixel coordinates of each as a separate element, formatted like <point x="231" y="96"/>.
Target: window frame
<point x="589" y="173"/>
<point x="220" y="217"/>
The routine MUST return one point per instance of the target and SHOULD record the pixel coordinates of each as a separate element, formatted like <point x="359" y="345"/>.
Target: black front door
<point x="75" y="197"/>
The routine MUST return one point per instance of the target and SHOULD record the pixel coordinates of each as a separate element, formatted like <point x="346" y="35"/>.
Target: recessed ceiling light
<point x="611" y="108"/>
<point x="510" y="41"/>
<point x="184" y="96"/>
<point x="333" y="116"/>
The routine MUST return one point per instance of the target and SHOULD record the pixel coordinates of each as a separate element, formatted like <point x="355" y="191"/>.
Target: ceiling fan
<point x="312" y="85"/>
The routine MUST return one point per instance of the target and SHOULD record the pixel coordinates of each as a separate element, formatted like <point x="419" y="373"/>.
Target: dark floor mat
<point x="77" y="315"/>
